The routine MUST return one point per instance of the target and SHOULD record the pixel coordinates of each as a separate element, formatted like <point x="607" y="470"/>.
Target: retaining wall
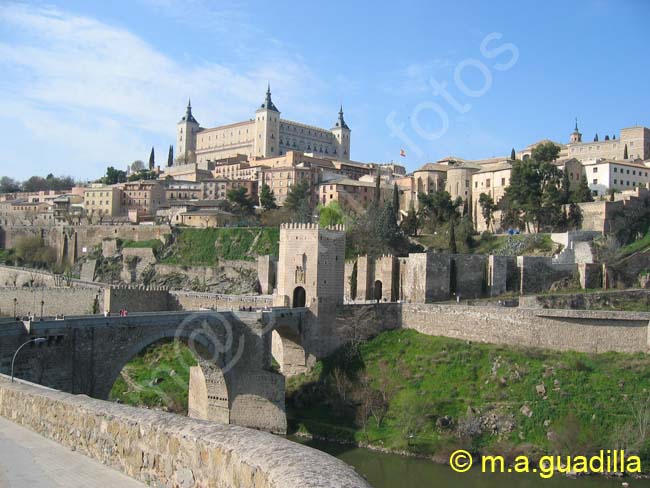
<point x="577" y="330"/>
<point x="57" y="301"/>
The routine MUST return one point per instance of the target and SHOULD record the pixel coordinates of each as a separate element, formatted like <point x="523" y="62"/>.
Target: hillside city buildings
<point x="270" y="150"/>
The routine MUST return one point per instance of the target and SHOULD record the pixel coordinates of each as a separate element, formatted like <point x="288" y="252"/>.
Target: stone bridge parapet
<point x="169" y="450"/>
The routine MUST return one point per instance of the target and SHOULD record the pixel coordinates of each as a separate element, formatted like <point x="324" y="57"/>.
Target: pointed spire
<point x="341" y="121"/>
<point x="268" y="103"/>
<point x="576" y="129"/>
<point x="188" y="117"/>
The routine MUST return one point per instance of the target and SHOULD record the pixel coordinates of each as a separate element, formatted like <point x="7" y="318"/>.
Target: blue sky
<point x="90" y="84"/>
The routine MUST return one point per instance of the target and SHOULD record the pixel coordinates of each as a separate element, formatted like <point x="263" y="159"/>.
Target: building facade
<point x="103" y="201"/>
<point x="265" y="135"/>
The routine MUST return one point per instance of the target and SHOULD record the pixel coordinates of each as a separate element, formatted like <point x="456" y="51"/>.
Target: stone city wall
<point x="586" y="331"/>
<point x="469" y="275"/>
<point x="56" y="301"/>
<point x="137" y="299"/>
<point x="587" y="301"/>
<point x="169" y="450"/>
<point x="266" y="273"/>
<point x="189" y="300"/>
<point x="13" y="276"/>
<point x="538" y="273"/>
<point x="72" y="242"/>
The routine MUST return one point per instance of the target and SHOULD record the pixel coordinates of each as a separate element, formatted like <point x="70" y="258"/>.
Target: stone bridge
<point x="234" y="382"/>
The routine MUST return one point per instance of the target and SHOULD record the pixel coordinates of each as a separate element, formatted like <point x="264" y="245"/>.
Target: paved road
<point x="28" y="460"/>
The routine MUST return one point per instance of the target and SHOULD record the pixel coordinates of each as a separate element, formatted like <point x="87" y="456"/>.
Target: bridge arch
<point x="288" y="351"/>
<point x="208" y="388"/>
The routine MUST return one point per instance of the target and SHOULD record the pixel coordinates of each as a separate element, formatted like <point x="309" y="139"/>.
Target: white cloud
<point x="108" y="94"/>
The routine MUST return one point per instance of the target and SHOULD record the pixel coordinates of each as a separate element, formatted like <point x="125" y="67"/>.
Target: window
<point x="595" y="170"/>
<point x="595" y="181"/>
<point x="615" y="182"/>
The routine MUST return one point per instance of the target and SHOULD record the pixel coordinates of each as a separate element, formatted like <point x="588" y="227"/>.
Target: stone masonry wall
<point x="601" y="300"/>
<point x="586" y="331"/>
<point x="470" y="275"/>
<point x="188" y="300"/>
<point x="169" y="450"/>
<point x="58" y="301"/>
<point x="136" y="300"/>
<point x="538" y="273"/>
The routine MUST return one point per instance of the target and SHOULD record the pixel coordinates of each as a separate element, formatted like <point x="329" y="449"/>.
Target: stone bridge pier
<point x="234" y="382"/>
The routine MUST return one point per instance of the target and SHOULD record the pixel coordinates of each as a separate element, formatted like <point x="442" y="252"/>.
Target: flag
<point x="402" y="153"/>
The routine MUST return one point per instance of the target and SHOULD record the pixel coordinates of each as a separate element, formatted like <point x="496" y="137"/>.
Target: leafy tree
<point x="545" y="152"/>
<point x="513" y="155"/>
<point x="113" y="176"/>
<point x="582" y="193"/>
<point x="332" y="214"/>
<point x="143" y="175"/>
<point x="299" y="201"/>
<point x="240" y="201"/>
<point x="566" y="187"/>
<point x="574" y="219"/>
<point x="152" y="160"/>
<point x="411" y="222"/>
<point x="136" y="166"/>
<point x="34" y="252"/>
<point x="9" y="185"/>
<point x="376" y="233"/>
<point x="533" y="196"/>
<point x="267" y="198"/>
<point x="487" y="208"/>
<point x="437" y="208"/>
<point x="38" y="183"/>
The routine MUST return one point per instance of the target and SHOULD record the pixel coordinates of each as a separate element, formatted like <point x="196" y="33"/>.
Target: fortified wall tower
<point x="311" y="267"/>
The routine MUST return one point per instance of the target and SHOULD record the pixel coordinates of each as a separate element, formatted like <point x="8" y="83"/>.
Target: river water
<point x="393" y="471"/>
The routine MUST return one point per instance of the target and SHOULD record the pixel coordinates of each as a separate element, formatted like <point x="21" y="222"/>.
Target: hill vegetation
<point x="205" y="247"/>
<point x="430" y="395"/>
<point x="157" y="378"/>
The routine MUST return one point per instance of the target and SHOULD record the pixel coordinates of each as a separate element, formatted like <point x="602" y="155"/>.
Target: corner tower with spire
<point x="576" y="136"/>
<point x="186" y="130"/>
<point x="341" y="132"/>
<point x="267" y="128"/>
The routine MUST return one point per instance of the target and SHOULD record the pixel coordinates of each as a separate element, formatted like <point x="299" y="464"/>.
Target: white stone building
<point x="264" y="136"/>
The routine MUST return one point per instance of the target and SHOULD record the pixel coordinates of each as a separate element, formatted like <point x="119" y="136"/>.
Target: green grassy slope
<point x="443" y="394"/>
<point x="206" y="246"/>
<point x="156" y="378"/>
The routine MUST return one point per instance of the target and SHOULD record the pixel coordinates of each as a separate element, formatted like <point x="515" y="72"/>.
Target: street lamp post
<point x="37" y="340"/>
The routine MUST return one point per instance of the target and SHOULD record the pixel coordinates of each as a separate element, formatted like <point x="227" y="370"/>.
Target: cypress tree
<point x="625" y="152"/>
<point x="170" y="156"/>
<point x="596" y="138"/>
<point x="396" y="202"/>
<point x="377" y="189"/>
<point x="152" y="162"/>
<point x="513" y="156"/>
<point x="452" y="238"/>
